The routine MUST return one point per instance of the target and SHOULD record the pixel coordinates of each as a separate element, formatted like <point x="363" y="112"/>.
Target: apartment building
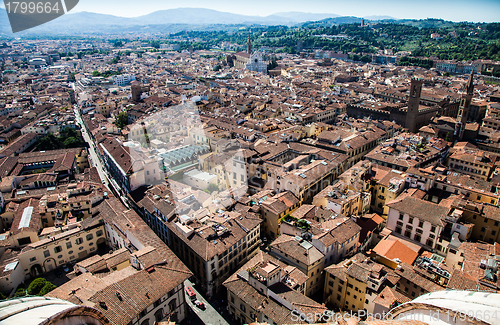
<point x="131" y="295"/>
<point x="472" y="161"/>
<point x="376" y="184"/>
<point x="484" y="219"/>
<point x="491" y="122"/>
<point x="354" y="284"/>
<point x="297" y="252"/>
<point x="105" y="108"/>
<point x="386" y="188"/>
<point x="338" y="239"/>
<point x="123" y="79"/>
<point x="412" y="284"/>
<point x="405" y="151"/>
<point x="273" y="209"/>
<point x="73" y="243"/>
<point x="341" y="200"/>
<point x="268" y="291"/>
<point x="130" y="168"/>
<point x="61" y="246"/>
<point x="416" y="219"/>
<point x="213" y="245"/>
<point x="440" y="183"/>
<point x="353" y="143"/>
<point x="229" y="164"/>
<point x="335" y="236"/>
<point x="308" y="180"/>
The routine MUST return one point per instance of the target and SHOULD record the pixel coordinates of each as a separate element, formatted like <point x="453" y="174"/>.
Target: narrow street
<point x="209" y="316"/>
<point x="96" y="162"/>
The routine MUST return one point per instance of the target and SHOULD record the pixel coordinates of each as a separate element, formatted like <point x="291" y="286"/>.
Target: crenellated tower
<point x="463" y="109"/>
<point x="413" y="104"/>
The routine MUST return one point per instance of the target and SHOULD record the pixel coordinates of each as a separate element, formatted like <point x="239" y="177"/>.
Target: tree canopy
<point x="40" y="287"/>
<point x="121" y="120"/>
<point x="68" y="138"/>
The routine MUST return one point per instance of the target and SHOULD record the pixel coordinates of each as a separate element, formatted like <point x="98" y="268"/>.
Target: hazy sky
<point x="455" y="10"/>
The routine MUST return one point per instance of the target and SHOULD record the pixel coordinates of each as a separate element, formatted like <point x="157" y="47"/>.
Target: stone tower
<point x="249" y="45"/>
<point x="463" y="109"/>
<point x="413" y="104"/>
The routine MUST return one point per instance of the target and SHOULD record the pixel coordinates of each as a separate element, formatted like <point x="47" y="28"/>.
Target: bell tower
<point x="249" y="45"/>
<point x="413" y="104"/>
<point x="463" y="109"/>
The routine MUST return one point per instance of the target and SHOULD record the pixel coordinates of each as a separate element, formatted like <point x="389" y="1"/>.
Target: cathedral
<point x="250" y="61"/>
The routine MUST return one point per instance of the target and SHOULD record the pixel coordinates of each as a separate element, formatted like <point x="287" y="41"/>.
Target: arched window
<point x="159" y="315"/>
<point x="172" y="305"/>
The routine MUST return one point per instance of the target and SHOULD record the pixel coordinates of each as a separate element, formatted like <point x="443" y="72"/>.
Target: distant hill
<point x="206" y="16"/>
<point x="88" y="22"/>
<point x="333" y="21"/>
<point x="426" y="23"/>
<point x="375" y="17"/>
<point x="175" y="20"/>
<point x="304" y="16"/>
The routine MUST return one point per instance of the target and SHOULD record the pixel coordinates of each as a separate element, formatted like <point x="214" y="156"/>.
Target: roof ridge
<point x="172" y="269"/>
<point x="305" y="305"/>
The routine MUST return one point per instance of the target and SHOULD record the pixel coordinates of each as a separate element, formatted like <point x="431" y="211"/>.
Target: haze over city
<point x="453" y="10"/>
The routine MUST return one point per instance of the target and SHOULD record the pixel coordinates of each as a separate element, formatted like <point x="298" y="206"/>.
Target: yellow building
<point x="353" y="284"/>
<point x="82" y="161"/>
<point x="484" y="217"/>
<point x="275" y="290"/>
<point x="387" y="189"/>
<point x="473" y="187"/>
<point x="304" y="256"/>
<point x="342" y="201"/>
<point x="60" y="248"/>
<point x="472" y="161"/>
<point x="378" y="184"/>
<point x="273" y="209"/>
<point x="105" y="109"/>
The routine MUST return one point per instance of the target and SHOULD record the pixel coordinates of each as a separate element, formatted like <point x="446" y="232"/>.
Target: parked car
<point x="65" y="269"/>
<point x="191" y="293"/>
<point x="200" y="304"/>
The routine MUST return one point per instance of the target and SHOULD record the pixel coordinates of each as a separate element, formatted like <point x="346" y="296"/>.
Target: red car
<point x="191" y="293"/>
